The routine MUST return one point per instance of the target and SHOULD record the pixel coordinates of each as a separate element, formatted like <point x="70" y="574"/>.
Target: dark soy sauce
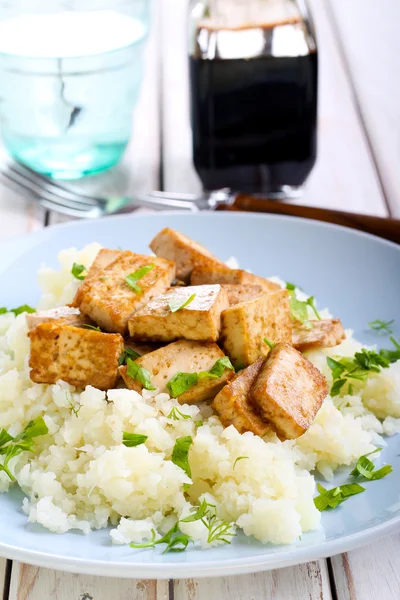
<point x="254" y="121"/>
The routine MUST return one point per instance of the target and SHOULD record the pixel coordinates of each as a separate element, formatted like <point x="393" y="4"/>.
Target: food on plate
<point x="185" y="252"/>
<point x="76" y="355"/>
<point x="164" y="319"/>
<point x="324" y="333"/>
<point x="232" y="404"/>
<point x="246" y="325"/>
<point x="288" y="391"/>
<point x="182" y="369"/>
<point x="181" y="413"/>
<point x="112" y="295"/>
<point x="202" y="274"/>
<point x="241" y="293"/>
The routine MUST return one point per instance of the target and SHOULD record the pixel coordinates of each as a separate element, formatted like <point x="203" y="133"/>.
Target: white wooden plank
<point x="306" y="581"/>
<point x="3" y="566"/>
<point x="344" y="176"/>
<point x="371" y="572"/>
<point x="33" y="583"/>
<point x="369" y="32"/>
<point x="17" y="214"/>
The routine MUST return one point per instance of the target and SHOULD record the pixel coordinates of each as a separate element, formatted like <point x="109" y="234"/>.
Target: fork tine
<point x="41" y="184"/>
<point x="27" y="189"/>
<point x="178" y="196"/>
<point x="84" y="213"/>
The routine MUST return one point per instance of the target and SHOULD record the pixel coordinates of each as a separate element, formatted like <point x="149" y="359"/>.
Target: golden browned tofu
<point x="288" y="391"/>
<point x="222" y="274"/>
<point x="241" y="293"/>
<point x="109" y="300"/>
<point x="232" y="404"/>
<point x="103" y="259"/>
<point x="65" y="315"/>
<point x="80" y="357"/>
<point x="200" y="320"/>
<point x="325" y="333"/>
<point x="184" y="251"/>
<point x="181" y="357"/>
<point x="246" y="325"/>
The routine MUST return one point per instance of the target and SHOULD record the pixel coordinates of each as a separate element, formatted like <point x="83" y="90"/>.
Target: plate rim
<point x="223" y="567"/>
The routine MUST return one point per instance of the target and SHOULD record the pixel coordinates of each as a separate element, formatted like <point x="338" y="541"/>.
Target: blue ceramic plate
<point x="357" y="276"/>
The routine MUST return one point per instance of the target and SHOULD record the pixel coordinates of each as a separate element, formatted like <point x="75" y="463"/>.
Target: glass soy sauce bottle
<point x="253" y="87"/>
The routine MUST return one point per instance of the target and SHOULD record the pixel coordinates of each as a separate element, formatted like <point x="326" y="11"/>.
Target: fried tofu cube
<point x="182" y="356"/>
<point x="241" y="293"/>
<point x="200" y="320"/>
<point x="184" y="251"/>
<point x="109" y="300"/>
<point x="65" y="315"/>
<point x="103" y="259"/>
<point x="220" y="273"/>
<point x="138" y="347"/>
<point x="232" y="404"/>
<point x="288" y="391"/>
<point x="325" y="333"/>
<point x="246" y="325"/>
<point x="80" y="357"/>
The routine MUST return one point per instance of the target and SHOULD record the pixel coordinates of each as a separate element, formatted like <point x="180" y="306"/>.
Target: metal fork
<point x="55" y="196"/>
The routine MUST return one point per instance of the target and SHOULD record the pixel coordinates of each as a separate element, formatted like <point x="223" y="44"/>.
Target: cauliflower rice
<point x="82" y="476"/>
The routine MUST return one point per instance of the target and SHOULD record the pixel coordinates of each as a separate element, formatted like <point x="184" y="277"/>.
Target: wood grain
<point x="33" y="583"/>
<point x="369" y="573"/>
<point x="369" y="35"/>
<point x="308" y="581"/>
<point x="3" y="567"/>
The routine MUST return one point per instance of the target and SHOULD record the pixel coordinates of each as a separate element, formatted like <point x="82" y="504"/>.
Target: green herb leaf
<point x="180" y="454"/>
<point x="332" y="498"/>
<point x="198" y="423"/>
<point x="177" y="415"/>
<point x="34" y="429"/>
<point x="391" y="355"/>
<point x="74" y="408"/>
<point x="337" y="386"/>
<point x="150" y="544"/>
<point x="350" y="390"/>
<point x="336" y="367"/>
<point x="383" y="326"/>
<point x="93" y="327"/>
<point x="219" y="368"/>
<point x="25" y="308"/>
<point x="366" y="468"/>
<point x="23" y="442"/>
<point x="128" y="353"/>
<point x="134" y="277"/>
<point x="181" y="382"/>
<point x="139" y="373"/>
<point x="237" y="460"/>
<point x="179" y="543"/>
<point x="77" y="271"/>
<point x="5" y="437"/>
<point x="199" y="513"/>
<point x="270" y="344"/>
<point x="133" y="439"/>
<point x="311" y="303"/>
<point x="176" y="305"/>
<point x="3" y="310"/>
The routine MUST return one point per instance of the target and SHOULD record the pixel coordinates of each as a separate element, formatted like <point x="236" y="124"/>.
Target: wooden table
<point x="357" y="169"/>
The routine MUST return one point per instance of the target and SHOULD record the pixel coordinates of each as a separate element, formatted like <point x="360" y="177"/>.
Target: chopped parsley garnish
<point x="269" y="343"/>
<point x="177" y="304"/>
<point x="93" y="327"/>
<point x="176" y="541"/>
<point x="23" y="442"/>
<point x="73" y="406"/>
<point x="182" y="382"/>
<point x="77" y="271"/>
<point x="238" y="459"/>
<point x="357" y="368"/>
<point x="133" y="439"/>
<point x="180" y="454"/>
<point x="332" y="498"/>
<point x="384" y="326"/>
<point x="134" y="277"/>
<point x="24" y="308"/>
<point x="366" y="468"/>
<point x="139" y="373"/>
<point x="177" y="415"/>
<point x="391" y="355"/>
<point x="299" y="308"/>
<point x="128" y="353"/>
